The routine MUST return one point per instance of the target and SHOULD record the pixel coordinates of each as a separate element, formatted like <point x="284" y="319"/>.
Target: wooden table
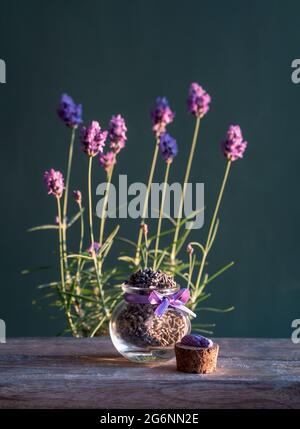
<point x="88" y="373"/>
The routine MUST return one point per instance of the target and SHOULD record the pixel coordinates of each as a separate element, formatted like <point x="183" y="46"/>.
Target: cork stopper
<point x="196" y="355"/>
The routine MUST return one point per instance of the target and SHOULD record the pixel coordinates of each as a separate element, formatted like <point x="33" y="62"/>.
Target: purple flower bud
<point x="168" y="147"/>
<point x="194" y="340"/>
<point x="234" y="146"/>
<point x="190" y="249"/>
<point x="54" y="181"/>
<point x="161" y="116"/>
<point x="107" y="160"/>
<point x="198" y="100"/>
<point x="93" y="139"/>
<point x="144" y="228"/>
<point x="77" y="196"/>
<point x="69" y="112"/>
<point x="117" y="133"/>
<point x="94" y="247"/>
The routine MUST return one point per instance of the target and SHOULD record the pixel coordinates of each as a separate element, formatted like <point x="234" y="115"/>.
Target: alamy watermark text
<point x="118" y="204"/>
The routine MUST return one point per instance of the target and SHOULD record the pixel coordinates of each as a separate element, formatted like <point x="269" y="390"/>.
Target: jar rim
<point x="146" y="290"/>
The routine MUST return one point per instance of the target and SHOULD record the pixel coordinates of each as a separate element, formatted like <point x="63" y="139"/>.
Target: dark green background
<point x="117" y="56"/>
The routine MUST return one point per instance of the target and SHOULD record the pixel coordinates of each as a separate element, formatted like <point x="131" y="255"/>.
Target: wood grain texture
<point x="88" y="373"/>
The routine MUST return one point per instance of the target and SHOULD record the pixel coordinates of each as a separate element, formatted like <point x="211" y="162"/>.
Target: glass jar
<point x="139" y="333"/>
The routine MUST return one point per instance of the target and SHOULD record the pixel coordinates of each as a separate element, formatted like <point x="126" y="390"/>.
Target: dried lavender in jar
<point x="138" y="324"/>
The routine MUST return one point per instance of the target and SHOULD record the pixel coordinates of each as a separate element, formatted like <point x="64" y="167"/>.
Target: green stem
<point x="92" y="233"/>
<point x="213" y="221"/>
<point x="62" y="274"/>
<point x="81" y="229"/>
<point x="66" y="195"/>
<point x="146" y="249"/>
<point x="161" y="214"/>
<point x="186" y="179"/>
<point x="93" y="333"/>
<point x="80" y="249"/>
<point x="219" y="201"/>
<point x="65" y="206"/>
<point x="101" y="236"/>
<point x="191" y="267"/>
<point x="101" y="292"/>
<point x="103" y="215"/>
<point x="90" y="199"/>
<point x="145" y="207"/>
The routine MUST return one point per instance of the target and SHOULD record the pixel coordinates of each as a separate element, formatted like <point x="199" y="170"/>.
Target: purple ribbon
<point x="176" y="300"/>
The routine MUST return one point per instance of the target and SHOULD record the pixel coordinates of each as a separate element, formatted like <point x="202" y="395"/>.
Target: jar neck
<point x="140" y="290"/>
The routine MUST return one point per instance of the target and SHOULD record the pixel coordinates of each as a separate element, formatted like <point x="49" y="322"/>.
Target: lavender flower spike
<point x="77" y="196"/>
<point x="234" y="146"/>
<point x="93" y="139"/>
<point x="168" y="147"/>
<point x="161" y="115"/>
<point x="117" y="133"/>
<point x="198" y="100"/>
<point x="107" y="160"/>
<point x="69" y="112"/>
<point x="54" y="181"/>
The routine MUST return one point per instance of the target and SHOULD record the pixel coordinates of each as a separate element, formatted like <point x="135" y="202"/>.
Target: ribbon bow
<point x="176" y="300"/>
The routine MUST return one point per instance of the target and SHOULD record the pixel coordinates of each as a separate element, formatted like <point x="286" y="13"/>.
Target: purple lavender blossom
<point x="194" y="340"/>
<point x="117" y="133"/>
<point x="94" y="247"/>
<point x="234" y="146"/>
<point x="107" y="160"/>
<point x="77" y="196"/>
<point x="69" y="112"/>
<point x="161" y="115"/>
<point x="168" y="147"/>
<point x="198" y="100"/>
<point x="93" y="139"/>
<point x="54" y="181"/>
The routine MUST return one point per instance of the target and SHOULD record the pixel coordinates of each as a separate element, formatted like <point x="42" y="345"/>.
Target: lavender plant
<point x="168" y="258"/>
<point x="89" y="289"/>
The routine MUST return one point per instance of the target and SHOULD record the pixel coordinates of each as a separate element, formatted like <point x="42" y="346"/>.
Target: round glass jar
<point x="139" y="334"/>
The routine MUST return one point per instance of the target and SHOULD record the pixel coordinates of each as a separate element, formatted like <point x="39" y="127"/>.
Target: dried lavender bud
<point x="138" y="325"/>
<point x="194" y="340"/>
<point x="151" y="279"/>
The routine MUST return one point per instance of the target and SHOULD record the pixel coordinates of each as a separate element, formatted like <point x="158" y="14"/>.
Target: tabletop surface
<point x="89" y="373"/>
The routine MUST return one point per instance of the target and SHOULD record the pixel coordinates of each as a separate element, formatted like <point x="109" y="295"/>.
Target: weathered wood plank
<point x="88" y="373"/>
